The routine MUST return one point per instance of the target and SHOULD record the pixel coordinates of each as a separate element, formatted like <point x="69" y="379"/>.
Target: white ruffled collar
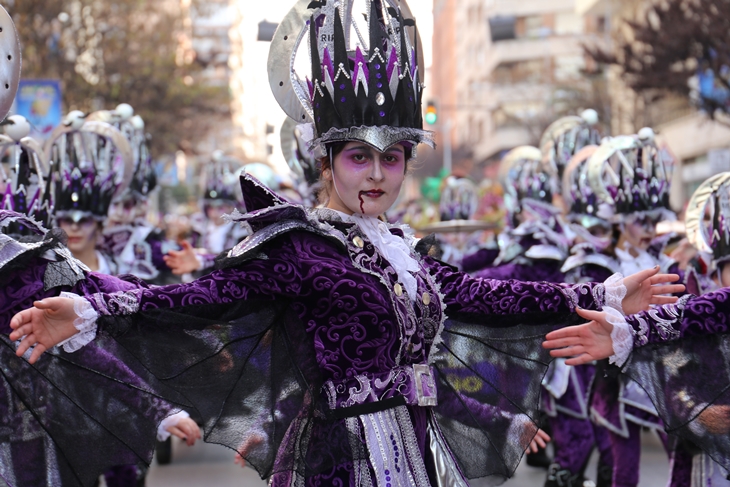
<point x="392" y="247"/>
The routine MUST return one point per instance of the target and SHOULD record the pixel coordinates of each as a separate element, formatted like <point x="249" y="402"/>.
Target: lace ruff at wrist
<point x="615" y="292"/>
<point x="622" y="337"/>
<point x="168" y="422"/>
<point x="85" y="323"/>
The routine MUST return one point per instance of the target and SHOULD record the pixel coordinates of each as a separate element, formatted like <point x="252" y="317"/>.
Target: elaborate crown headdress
<point x="632" y="174"/>
<point x="132" y="127"/>
<point x="221" y="180"/>
<point x="92" y="163"/>
<point x="583" y="205"/>
<point x="708" y="217"/>
<point x="527" y="179"/>
<point x="26" y="190"/>
<point x="568" y="135"/>
<point x="365" y="81"/>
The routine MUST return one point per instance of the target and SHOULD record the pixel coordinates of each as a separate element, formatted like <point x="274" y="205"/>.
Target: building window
<point x="536" y="27"/>
<point x="502" y="28"/>
<point x="531" y="71"/>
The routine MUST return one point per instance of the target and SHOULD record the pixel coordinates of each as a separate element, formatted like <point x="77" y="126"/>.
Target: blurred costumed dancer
<point x="625" y="181"/>
<point x="534" y="244"/>
<point x="37" y="265"/>
<point x="537" y="248"/>
<point x="678" y="353"/>
<point x="136" y="246"/>
<point x="340" y="316"/>
<point x="93" y="164"/>
<point x="301" y="162"/>
<point x="708" y="229"/>
<point x="567" y="388"/>
<point x="212" y="232"/>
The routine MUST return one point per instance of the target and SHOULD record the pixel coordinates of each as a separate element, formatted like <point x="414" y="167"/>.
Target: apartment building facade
<point x="504" y="70"/>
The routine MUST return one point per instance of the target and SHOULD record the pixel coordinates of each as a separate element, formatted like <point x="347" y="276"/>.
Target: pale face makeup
<point x="123" y="212"/>
<point x="364" y="180"/>
<point x="640" y="230"/>
<point x="82" y="235"/>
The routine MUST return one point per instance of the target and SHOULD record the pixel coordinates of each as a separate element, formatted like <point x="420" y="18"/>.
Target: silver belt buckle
<point x="425" y="385"/>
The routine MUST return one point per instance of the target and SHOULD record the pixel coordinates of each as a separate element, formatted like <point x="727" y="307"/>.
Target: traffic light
<point x="432" y="115"/>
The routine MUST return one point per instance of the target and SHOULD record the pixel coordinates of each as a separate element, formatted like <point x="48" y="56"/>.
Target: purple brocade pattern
<point x="537" y="270"/>
<point x="479" y="260"/>
<point x="690" y="316"/>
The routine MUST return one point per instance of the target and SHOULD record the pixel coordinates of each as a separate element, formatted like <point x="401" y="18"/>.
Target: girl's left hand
<point x="583" y="343"/>
<point x="646" y="287"/>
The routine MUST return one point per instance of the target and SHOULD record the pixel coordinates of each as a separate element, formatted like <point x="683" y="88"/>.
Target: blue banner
<point x="40" y="102"/>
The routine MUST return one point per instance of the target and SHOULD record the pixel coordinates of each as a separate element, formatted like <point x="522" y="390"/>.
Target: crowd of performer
<point x="580" y="208"/>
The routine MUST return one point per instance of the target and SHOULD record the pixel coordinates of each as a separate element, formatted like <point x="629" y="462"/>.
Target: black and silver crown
<point x="221" y="179"/>
<point x="364" y="81"/>
<point x="526" y="177"/>
<point x="633" y="174"/>
<point x="567" y="136"/>
<point x="92" y="163"/>
<point x="584" y="206"/>
<point x="132" y="127"/>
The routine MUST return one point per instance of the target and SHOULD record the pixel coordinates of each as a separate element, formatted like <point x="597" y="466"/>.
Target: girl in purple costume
<point x="135" y="245"/>
<point x="348" y="313"/>
<point x="616" y="402"/>
<point x="35" y="265"/>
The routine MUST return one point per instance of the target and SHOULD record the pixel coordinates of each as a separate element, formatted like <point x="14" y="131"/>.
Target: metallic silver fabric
<point x="446" y="471"/>
<point x="380" y="138"/>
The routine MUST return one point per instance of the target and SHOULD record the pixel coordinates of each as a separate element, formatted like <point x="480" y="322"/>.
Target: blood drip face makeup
<point x="366" y="181"/>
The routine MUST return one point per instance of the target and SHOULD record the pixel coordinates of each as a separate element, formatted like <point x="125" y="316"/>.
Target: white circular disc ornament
<point x="18" y="129"/>
<point x="10" y="62"/>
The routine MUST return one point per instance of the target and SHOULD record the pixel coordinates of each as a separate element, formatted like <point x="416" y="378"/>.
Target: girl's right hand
<point x="45" y="325"/>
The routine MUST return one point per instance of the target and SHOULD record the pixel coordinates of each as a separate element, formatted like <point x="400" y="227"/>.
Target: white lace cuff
<point x="201" y="261"/>
<point x="622" y="337"/>
<point x="615" y="292"/>
<point x="168" y="422"/>
<point x="85" y="323"/>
